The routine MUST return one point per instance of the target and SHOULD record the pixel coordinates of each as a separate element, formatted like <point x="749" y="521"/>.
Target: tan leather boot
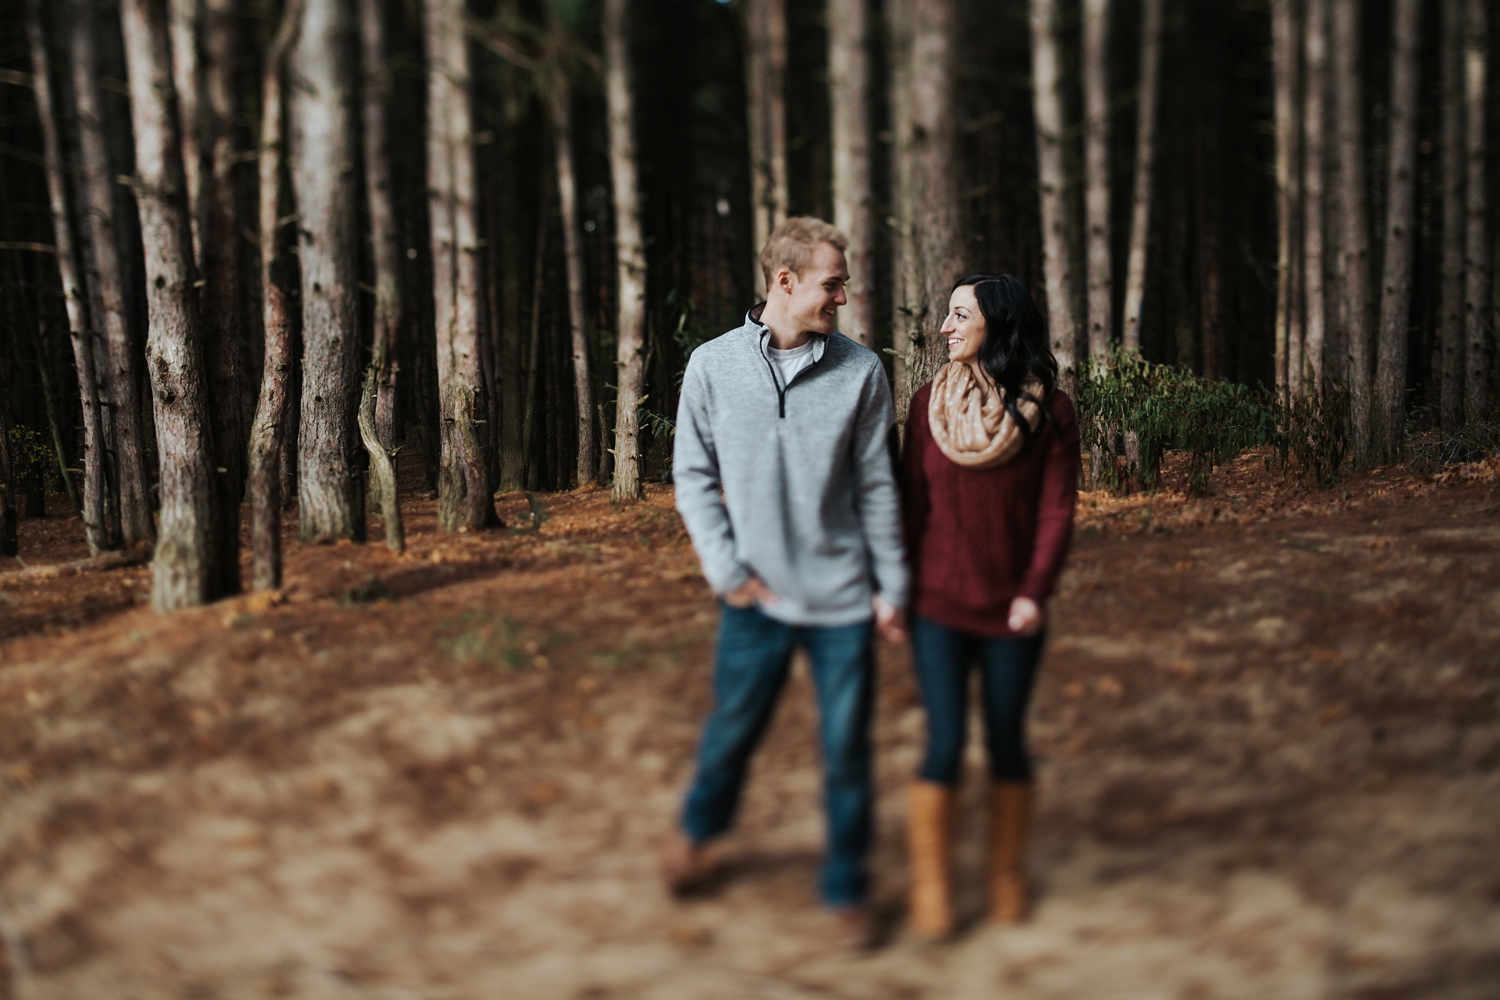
<point x="929" y="839"/>
<point x="1010" y="818"/>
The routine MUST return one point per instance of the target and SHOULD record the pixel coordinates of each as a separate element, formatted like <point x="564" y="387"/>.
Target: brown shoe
<point x="1010" y="818"/>
<point x="929" y="840"/>
<point x="855" y="928"/>
<point x="685" y="865"/>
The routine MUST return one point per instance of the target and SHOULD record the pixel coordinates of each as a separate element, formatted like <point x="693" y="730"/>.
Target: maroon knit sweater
<point x="979" y="538"/>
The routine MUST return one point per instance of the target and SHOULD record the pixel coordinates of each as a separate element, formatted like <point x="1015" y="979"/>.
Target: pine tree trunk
<point x="183" y="18"/>
<point x="1451" y="309"/>
<point x="1057" y="251"/>
<point x="1353" y="224"/>
<point x="1395" y="286"/>
<point x="386" y="242"/>
<point x="535" y="454"/>
<point x="1477" y="285"/>
<point x="849" y="101"/>
<point x="119" y="373"/>
<point x="1096" y="170"/>
<point x="928" y="249"/>
<point x="183" y="571"/>
<point x="278" y="279"/>
<point x="630" y="369"/>
<point x="561" y="105"/>
<point x="765" y="90"/>
<point x="1315" y="54"/>
<point x="511" y="233"/>
<point x="1288" y="194"/>
<point x="380" y="379"/>
<point x="323" y="118"/>
<point x="291" y="423"/>
<point x="780" y="198"/>
<point x="95" y="529"/>
<point x="219" y="229"/>
<point x="464" y="501"/>
<point x="1145" y="160"/>
<point x="8" y="540"/>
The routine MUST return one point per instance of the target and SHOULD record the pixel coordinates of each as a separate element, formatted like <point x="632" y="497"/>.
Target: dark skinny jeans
<point x="1007" y="668"/>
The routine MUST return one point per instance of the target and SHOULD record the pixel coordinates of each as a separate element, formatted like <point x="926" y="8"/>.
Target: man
<point x="803" y="546"/>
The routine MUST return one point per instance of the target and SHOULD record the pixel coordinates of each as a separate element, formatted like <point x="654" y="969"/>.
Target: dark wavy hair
<point x="1015" y="348"/>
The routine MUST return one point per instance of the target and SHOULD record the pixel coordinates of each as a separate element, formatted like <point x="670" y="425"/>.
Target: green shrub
<point x="1147" y="409"/>
<point x="1316" y="438"/>
<point x="1166" y="407"/>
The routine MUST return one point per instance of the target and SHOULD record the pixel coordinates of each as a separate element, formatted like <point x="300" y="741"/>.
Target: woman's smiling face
<point x="964" y="328"/>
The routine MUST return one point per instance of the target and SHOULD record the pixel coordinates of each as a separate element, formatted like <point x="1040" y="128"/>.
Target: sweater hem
<point x="989" y="623"/>
<point x="820" y="619"/>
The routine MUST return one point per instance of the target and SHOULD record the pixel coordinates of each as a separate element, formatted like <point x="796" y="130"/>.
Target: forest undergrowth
<point x="1268" y="733"/>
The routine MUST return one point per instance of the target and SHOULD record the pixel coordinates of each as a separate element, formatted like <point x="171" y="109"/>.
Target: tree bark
<point x="534" y="348"/>
<point x="120" y="375"/>
<point x="560" y="103"/>
<point x="184" y="22"/>
<point x="219" y="229"/>
<point x="630" y="369"/>
<point x="1476" y="256"/>
<point x="278" y="279"/>
<point x="1353" y="224"/>
<point x="464" y="500"/>
<point x="1395" y="285"/>
<point x="1315" y="54"/>
<point x="1096" y="169"/>
<point x="95" y="528"/>
<point x="849" y="103"/>
<point x="380" y="379"/>
<point x="928" y="248"/>
<point x="1288" y="194"/>
<point x="322" y="119"/>
<point x="184" y="573"/>
<point x="385" y="242"/>
<point x="8" y="540"/>
<point x="1057" y="251"/>
<point x="765" y="90"/>
<point x="1145" y="160"/>
<point x="1451" y="332"/>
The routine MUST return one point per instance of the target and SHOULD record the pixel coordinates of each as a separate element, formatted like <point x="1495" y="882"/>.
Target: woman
<point x="990" y="480"/>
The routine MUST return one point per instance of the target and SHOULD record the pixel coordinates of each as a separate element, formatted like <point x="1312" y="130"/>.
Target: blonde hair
<point x="793" y="242"/>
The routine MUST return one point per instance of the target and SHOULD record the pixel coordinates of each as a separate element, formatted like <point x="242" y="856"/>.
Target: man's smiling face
<point x="818" y="291"/>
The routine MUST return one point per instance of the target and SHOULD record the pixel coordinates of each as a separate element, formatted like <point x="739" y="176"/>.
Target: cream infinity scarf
<point x="969" y="420"/>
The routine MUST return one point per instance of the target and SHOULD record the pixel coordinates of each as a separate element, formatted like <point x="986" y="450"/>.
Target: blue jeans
<point x="752" y="661"/>
<point x="1007" y="668"/>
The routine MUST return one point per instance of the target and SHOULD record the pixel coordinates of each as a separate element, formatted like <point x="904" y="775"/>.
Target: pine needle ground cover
<point x="1268" y="727"/>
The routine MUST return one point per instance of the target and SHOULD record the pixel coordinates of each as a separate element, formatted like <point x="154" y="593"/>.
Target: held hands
<point x="1026" y="616"/>
<point x="890" y="622"/>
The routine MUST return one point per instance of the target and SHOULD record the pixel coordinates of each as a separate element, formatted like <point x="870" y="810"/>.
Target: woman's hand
<point x="1026" y="616"/>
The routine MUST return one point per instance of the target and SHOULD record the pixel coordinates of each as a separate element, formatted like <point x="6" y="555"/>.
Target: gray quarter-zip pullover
<point x="809" y="500"/>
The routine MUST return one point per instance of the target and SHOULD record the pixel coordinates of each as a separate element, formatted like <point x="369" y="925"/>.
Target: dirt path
<point x="1269" y="732"/>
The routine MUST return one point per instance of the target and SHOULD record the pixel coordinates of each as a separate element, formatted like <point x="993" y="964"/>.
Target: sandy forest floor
<point x="1268" y="727"/>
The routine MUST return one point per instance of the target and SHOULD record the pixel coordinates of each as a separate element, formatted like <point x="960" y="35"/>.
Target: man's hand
<point x="1026" y="617"/>
<point x="889" y="621"/>
<point x="752" y="591"/>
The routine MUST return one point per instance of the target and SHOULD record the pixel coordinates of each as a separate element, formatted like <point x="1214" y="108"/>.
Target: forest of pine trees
<point x="251" y="250"/>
